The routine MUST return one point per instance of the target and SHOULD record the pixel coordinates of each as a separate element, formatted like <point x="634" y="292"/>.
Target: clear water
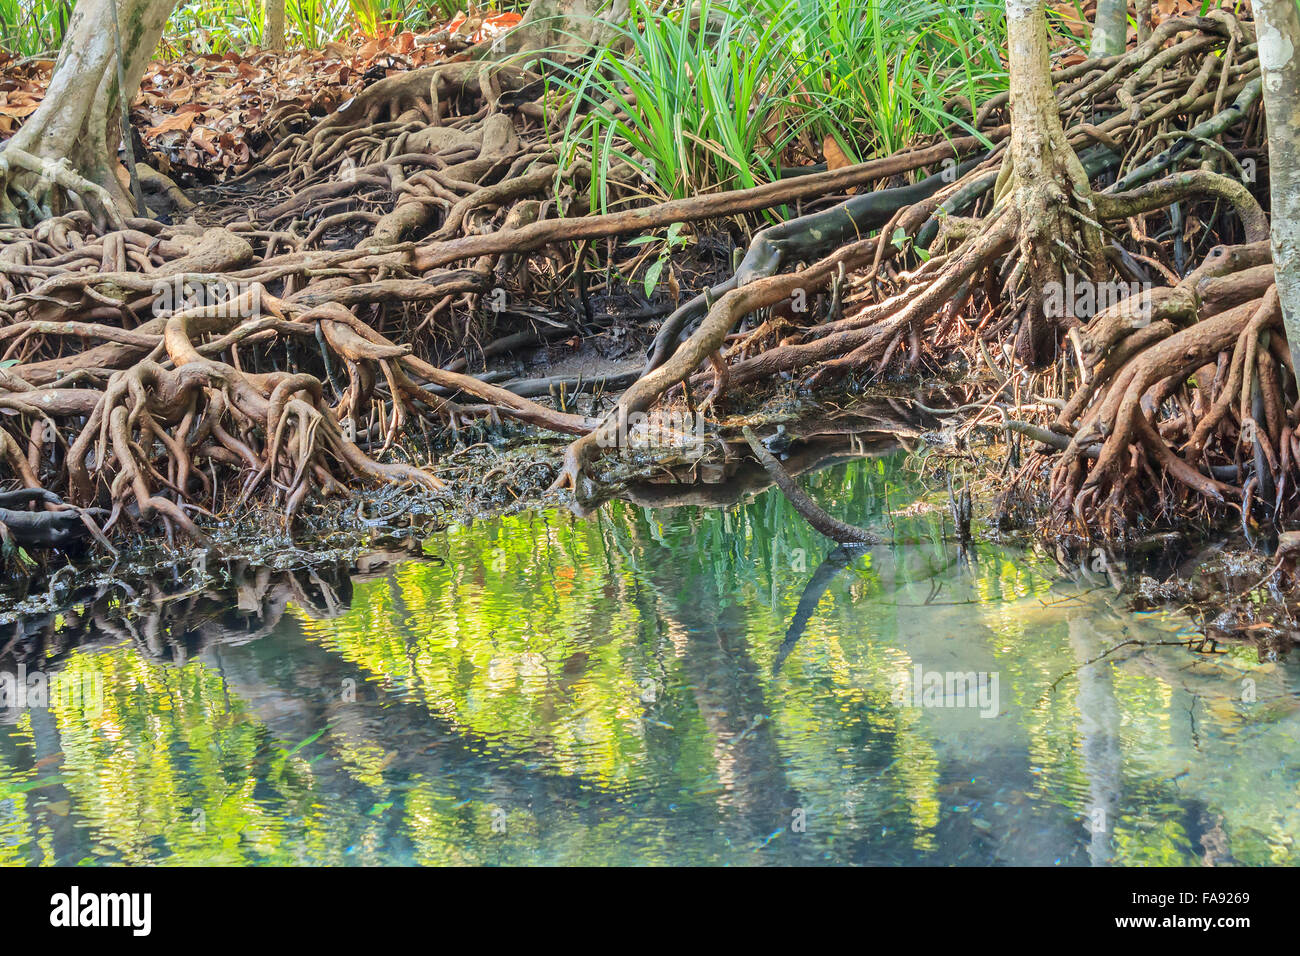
<point x="645" y="687"/>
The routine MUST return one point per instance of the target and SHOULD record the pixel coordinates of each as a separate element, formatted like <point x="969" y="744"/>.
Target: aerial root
<point x="1188" y="398"/>
<point x="1205" y="405"/>
<point x="432" y="188"/>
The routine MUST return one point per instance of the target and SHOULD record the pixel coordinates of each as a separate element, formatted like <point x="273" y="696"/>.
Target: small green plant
<point x="882" y="73"/>
<point x="382" y="17"/>
<point x="369" y="16"/>
<point x="315" y="22"/>
<point x="378" y="18"/>
<point x="215" y="26"/>
<point x="673" y="241"/>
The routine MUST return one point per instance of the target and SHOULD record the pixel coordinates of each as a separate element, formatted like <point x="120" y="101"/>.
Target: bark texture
<point x="76" y="126"/>
<point x="1278" y="25"/>
<point x="1110" y="28"/>
<point x="275" y="24"/>
<point x="1045" y="173"/>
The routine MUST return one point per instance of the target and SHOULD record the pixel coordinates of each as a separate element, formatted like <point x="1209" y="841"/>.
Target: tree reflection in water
<point x="690" y="675"/>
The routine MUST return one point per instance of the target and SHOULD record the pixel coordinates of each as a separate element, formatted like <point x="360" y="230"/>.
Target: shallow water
<point x="653" y="686"/>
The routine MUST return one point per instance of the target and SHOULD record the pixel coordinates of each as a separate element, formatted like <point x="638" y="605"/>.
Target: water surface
<point x="653" y="685"/>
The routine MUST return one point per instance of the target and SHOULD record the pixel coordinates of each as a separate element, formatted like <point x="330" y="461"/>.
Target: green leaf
<point x="652" y="275"/>
<point x="314" y="737"/>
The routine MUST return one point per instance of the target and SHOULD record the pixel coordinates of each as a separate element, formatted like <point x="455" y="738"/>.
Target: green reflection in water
<point x="670" y="685"/>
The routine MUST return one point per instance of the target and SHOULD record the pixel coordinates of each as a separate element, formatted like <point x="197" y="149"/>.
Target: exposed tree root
<point x="1196" y="396"/>
<point x="1144" y="363"/>
<point x="352" y="271"/>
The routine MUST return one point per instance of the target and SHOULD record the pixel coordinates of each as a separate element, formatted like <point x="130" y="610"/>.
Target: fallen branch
<point x="833" y="528"/>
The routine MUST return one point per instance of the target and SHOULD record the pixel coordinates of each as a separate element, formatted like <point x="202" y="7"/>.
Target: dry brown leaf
<point x="181" y="121"/>
<point x="18" y="112"/>
<point x="836" y="158"/>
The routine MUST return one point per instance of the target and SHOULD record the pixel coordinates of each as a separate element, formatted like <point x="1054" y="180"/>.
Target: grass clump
<point x="693" y="99"/>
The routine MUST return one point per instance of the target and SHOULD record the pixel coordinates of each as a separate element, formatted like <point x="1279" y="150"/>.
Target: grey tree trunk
<point x="1277" y="23"/>
<point x="1146" y="18"/>
<point x="69" y="145"/>
<point x="1045" y="172"/>
<point x="1110" y="28"/>
<point x="275" y="24"/>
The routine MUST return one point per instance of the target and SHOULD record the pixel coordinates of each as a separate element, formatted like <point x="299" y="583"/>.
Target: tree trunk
<point x="1146" y="19"/>
<point x="66" y="152"/>
<point x="275" y="24"/>
<point x="1278" y="26"/>
<point x="1110" y="28"/>
<point x="1045" y="171"/>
